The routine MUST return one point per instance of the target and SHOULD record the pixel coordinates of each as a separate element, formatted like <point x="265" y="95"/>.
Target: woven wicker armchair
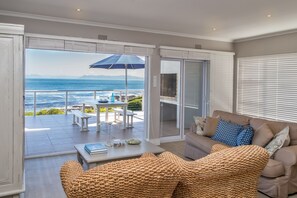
<point x="227" y="172"/>
<point x="144" y="177"/>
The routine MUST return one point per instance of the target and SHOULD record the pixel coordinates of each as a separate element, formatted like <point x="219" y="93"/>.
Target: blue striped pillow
<point x="227" y="133"/>
<point x="245" y="137"/>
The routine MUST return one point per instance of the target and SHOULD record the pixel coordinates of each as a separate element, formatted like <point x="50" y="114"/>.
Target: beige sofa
<point x="279" y="177"/>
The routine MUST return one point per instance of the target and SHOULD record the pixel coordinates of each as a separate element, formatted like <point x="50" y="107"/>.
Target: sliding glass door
<point x="194" y="93"/>
<point x="184" y="93"/>
<point x="170" y="89"/>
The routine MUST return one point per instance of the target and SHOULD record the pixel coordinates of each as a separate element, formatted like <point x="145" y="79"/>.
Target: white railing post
<point x="120" y="95"/>
<point x="142" y="101"/>
<point x="95" y="95"/>
<point x="83" y="107"/>
<point x="66" y="102"/>
<point x="34" y="103"/>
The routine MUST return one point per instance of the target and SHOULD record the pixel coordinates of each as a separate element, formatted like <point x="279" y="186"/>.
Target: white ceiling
<point x="233" y="19"/>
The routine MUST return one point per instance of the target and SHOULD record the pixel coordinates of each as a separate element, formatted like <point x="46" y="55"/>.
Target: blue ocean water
<point x="57" y="99"/>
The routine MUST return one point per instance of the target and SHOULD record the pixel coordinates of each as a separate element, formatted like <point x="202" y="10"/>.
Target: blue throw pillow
<point x="227" y="133"/>
<point x="245" y="137"/>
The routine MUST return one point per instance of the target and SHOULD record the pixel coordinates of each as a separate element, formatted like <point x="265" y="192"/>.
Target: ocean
<point x="46" y="100"/>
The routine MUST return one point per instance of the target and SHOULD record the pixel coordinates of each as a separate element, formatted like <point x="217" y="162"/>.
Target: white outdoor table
<point x="124" y="105"/>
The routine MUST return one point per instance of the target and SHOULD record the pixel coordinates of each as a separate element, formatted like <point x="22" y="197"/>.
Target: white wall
<point x="267" y="46"/>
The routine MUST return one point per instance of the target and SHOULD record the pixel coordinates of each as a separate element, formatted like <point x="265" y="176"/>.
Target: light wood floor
<point x="169" y="128"/>
<point x="43" y="180"/>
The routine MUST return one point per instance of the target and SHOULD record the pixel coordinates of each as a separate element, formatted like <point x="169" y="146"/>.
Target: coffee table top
<point x="116" y="153"/>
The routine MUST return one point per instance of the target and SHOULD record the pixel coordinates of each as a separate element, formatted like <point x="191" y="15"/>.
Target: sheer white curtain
<point x="267" y="86"/>
<point x="221" y="83"/>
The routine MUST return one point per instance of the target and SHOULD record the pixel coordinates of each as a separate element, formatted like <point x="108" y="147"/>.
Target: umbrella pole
<point x="126" y="72"/>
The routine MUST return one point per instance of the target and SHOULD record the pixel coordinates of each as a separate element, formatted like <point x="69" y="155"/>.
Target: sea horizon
<point x="46" y="100"/>
<point x="87" y="77"/>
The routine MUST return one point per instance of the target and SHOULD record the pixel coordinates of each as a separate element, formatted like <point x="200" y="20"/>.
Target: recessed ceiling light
<point x="269" y="15"/>
<point x="214" y="29"/>
<point x="78" y="9"/>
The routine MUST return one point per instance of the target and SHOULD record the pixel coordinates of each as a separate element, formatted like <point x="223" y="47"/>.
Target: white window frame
<point x="64" y="43"/>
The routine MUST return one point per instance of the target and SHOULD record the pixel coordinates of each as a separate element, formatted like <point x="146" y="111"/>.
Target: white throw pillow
<point x="200" y="123"/>
<point x="278" y="141"/>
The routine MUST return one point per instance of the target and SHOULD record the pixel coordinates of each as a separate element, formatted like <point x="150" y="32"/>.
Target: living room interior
<point x="210" y="67"/>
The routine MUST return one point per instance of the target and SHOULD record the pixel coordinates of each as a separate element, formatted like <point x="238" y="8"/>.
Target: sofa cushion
<point x="287" y="155"/>
<point x="273" y="169"/>
<point x="288" y="139"/>
<point x="245" y="137"/>
<point x="227" y="132"/>
<point x="210" y="126"/>
<point x="203" y="143"/>
<point x="278" y="141"/>
<point x="231" y="117"/>
<point x="200" y="123"/>
<point x="262" y="135"/>
<point x="276" y="127"/>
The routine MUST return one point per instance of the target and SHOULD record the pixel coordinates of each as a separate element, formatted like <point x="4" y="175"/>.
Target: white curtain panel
<point x="221" y="83"/>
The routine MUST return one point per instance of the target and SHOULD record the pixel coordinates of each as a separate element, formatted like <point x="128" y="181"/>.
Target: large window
<point x="267" y="87"/>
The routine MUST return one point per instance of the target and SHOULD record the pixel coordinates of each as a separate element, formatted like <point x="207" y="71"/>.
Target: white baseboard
<point x="171" y="139"/>
<point x="155" y="141"/>
<point x="51" y="154"/>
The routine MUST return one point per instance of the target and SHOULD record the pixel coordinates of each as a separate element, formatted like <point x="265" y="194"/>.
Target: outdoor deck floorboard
<point x="49" y="134"/>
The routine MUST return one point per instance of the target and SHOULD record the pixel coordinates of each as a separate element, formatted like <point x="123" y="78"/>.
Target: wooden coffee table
<point x="115" y="153"/>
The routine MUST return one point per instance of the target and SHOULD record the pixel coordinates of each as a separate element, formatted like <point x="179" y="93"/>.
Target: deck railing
<point x="95" y="93"/>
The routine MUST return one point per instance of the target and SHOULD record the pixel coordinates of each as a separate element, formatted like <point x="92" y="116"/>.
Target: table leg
<point x="98" y="119"/>
<point x="106" y="114"/>
<point x="91" y="165"/>
<point x="79" y="158"/>
<point x="128" y="121"/>
<point x="87" y="124"/>
<point x="74" y="120"/>
<point x="124" y="117"/>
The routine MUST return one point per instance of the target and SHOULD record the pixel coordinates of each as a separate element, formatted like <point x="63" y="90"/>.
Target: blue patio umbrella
<point x="120" y="62"/>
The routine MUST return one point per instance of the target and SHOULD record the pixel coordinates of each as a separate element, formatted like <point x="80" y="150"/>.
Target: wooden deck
<point x="55" y="134"/>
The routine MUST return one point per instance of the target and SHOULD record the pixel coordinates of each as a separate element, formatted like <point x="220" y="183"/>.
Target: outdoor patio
<point x="55" y="134"/>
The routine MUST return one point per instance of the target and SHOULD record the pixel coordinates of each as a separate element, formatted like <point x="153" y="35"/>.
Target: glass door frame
<point x="181" y="103"/>
<point x="204" y="93"/>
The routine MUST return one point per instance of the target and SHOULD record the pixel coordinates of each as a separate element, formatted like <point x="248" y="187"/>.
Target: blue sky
<point x="63" y="63"/>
